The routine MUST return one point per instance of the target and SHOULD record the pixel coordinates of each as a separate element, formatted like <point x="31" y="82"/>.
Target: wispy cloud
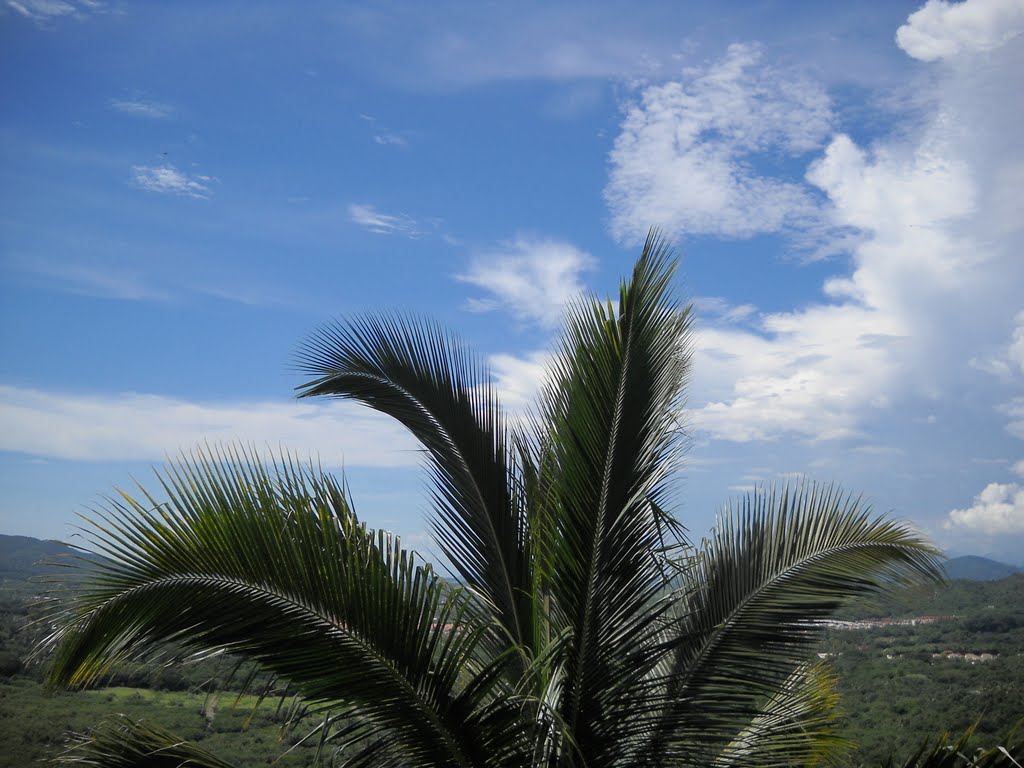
<point x="92" y="427"/>
<point x="166" y="179"/>
<point x="140" y="107"/>
<point x="380" y="223"/>
<point x="48" y="10"/>
<point x="684" y="160"/>
<point x="90" y="280"/>
<point x="390" y="139"/>
<point x="531" y="278"/>
<point x="720" y="309"/>
<point x="382" y="135"/>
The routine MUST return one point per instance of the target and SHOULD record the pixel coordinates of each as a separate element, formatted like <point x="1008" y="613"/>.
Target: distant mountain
<point x="22" y="557"/>
<point x="974" y="568"/>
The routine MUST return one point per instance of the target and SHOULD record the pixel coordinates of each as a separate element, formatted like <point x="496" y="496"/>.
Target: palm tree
<point x="580" y="628"/>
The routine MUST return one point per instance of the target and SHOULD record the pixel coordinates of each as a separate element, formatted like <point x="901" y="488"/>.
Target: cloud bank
<point x="935" y="209"/>
<point x="142" y="427"/>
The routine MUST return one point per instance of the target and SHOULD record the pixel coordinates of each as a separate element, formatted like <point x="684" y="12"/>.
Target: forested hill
<point x="22" y="557"/>
<point x="974" y="568"/>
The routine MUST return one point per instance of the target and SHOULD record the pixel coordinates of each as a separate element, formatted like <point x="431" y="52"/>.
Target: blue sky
<point x="189" y="188"/>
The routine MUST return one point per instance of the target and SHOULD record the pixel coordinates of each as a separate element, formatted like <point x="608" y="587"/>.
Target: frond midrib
<point x="732" y="620"/>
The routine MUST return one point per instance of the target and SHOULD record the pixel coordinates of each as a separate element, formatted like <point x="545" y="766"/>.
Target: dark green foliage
<point x="897" y="692"/>
<point x="950" y="752"/>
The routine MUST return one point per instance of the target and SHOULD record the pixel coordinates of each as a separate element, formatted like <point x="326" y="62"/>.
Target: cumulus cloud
<point x="143" y="427"/>
<point x="685" y="157"/>
<point x="168" y="180"/>
<point x="932" y="275"/>
<point x="142" y="108"/>
<point x="385" y="224"/>
<point x="999" y="509"/>
<point x="1014" y="409"/>
<point x="1015" y="353"/>
<point x="941" y="30"/>
<point x="532" y="279"/>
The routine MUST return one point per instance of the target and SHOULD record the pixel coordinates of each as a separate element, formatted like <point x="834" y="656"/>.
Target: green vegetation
<point x="902" y="684"/>
<point x="586" y="630"/>
<point x="34" y="723"/>
<point x="888" y="706"/>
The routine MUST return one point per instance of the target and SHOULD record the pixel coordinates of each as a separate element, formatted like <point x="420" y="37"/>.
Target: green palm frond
<point x="797" y="726"/>
<point x="271" y="564"/>
<point x="610" y="413"/>
<point x="424" y="378"/>
<point x="125" y="743"/>
<point x="770" y="573"/>
<point x="948" y="751"/>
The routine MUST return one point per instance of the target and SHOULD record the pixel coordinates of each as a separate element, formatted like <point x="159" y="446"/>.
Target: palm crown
<point x="582" y="630"/>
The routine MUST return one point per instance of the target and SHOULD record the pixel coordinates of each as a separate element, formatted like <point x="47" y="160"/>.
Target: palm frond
<point x="769" y="575"/>
<point x="423" y="377"/>
<point x="121" y="742"/>
<point x="797" y="726"/>
<point x="271" y="564"/>
<point x="947" y="751"/>
<point x="610" y="411"/>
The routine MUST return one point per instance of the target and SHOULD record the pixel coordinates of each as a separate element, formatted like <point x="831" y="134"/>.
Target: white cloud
<point x="934" y="273"/>
<point x="141" y="427"/>
<point x="717" y="307"/>
<point x="1018" y="468"/>
<point x="1008" y="362"/>
<point x="390" y="139"/>
<point x="46" y="10"/>
<point x="532" y="279"/>
<point x="142" y="108"/>
<point x="1015" y="353"/>
<point x="88" y="280"/>
<point x="684" y="158"/>
<point x="1015" y="410"/>
<point x="999" y="509"/>
<point x="384" y="224"/>
<point x="168" y="180"/>
<point x="517" y="380"/>
<point x="941" y="30"/>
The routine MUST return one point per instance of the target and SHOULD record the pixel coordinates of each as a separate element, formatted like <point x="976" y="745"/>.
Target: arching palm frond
<point x="762" y="584"/>
<point x="121" y="742"/>
<point x="424" y="378"/>
<point x="272" y="565"/>
<point x="797" y="726"/>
